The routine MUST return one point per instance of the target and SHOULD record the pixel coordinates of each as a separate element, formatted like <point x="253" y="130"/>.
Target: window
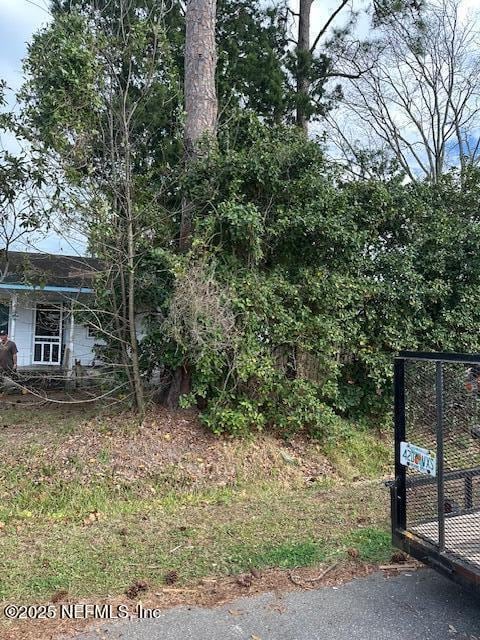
<point x="4" y="313"/>
<point x="91" y="331"/>
<point x="47" y="320"/>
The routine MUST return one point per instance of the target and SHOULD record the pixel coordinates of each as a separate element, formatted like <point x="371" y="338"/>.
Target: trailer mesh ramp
<point x="461" y="535"/>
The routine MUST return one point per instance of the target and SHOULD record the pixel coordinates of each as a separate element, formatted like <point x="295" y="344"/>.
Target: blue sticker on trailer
<point x="419" y="459"/>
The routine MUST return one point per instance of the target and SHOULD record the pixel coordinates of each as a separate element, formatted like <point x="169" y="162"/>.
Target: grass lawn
<point x="91" y="502"/>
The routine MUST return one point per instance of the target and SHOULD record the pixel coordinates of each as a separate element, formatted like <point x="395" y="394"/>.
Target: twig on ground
<point x="398" y="567"/>
<point x="300" y="582"/>
<point x="295" y="580"/>
<point x="323" y="574"/>
<point x="176" y="548"/>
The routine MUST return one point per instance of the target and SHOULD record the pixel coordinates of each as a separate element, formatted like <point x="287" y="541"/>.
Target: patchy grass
<point x="287" y="556"/>
<point x="200" y="534"/>
<point x="77" y="518"/>
<point x="358" y="452"/>
<point x="373" y="544"/>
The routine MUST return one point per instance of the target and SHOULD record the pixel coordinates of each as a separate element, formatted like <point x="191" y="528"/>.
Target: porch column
<point x="70" y="344"/>
<point x="13" y="321"/>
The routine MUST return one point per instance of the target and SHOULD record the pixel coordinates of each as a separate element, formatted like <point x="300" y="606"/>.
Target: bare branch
<point x="327" y="24"/>
<point x="419" y="96"/>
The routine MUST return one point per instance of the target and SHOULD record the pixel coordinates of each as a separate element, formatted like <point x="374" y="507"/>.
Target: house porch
<point x="42" y="324"/>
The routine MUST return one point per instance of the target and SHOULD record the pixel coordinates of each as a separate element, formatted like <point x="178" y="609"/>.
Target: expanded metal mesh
<point x="420" y="429"/>
<point x="442" y="414"/>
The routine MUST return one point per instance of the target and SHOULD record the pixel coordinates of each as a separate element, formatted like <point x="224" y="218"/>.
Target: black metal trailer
<point x="435" y="497"/>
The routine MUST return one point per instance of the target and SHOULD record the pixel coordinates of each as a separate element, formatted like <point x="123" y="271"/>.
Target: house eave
<point x="12" y="286"/>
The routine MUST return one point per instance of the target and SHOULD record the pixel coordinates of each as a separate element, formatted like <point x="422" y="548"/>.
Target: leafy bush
<point x="313" y="283"/>
<point x="240" y="419"/>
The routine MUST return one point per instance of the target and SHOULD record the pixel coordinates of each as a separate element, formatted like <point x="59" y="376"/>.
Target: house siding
<point x="23" y="332"/>
<point x="83" y="344"/>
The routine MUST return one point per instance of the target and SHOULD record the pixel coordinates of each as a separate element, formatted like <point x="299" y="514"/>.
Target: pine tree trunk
<point x="201" y="121"/>
<point x="303" y="62"/>
<point x="200" y="93"/>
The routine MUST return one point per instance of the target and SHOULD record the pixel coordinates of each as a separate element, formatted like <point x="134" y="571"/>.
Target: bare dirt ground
<point x="164" y="440"/>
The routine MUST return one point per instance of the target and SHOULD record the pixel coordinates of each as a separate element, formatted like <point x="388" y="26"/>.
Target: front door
<point x="48" y="334"/>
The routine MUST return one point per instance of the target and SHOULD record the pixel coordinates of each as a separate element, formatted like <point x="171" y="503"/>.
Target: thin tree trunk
<point x="118" y="312"/>
<point x="122" y="315"/>
<point x="128" y="195"/>
<point x="303" y="63"/>
<point x="137" y="378"/>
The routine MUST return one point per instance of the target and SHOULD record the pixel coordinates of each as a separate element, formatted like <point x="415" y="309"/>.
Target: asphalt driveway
<point x="418" y="606"/>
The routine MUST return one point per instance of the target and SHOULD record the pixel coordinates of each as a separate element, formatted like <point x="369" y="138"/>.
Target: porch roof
<point x="47" y="272"/>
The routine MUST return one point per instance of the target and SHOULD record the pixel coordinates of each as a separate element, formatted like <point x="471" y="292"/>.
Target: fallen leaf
<point x="244" y="580"/>
<point x="91" y="518"/>
<point x="288" y="458"/>
<point x="279" y="608"/>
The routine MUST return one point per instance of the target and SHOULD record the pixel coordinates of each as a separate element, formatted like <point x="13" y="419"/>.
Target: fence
<point x="436" y="493"/>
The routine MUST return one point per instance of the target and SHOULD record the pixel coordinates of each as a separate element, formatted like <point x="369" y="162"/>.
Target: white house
<point x="38" y="295"/>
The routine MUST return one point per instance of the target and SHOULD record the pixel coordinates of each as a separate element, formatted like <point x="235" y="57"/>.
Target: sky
<point x="19" y="19"/>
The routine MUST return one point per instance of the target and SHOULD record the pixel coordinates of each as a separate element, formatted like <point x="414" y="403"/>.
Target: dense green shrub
<point x="321" y="280"/>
